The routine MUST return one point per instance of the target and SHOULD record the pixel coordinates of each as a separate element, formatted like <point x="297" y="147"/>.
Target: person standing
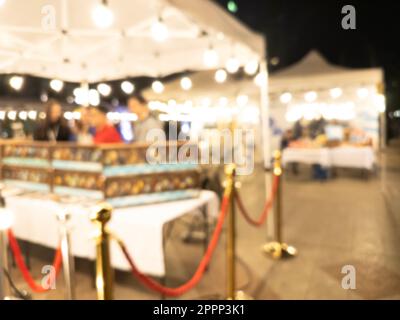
<point x="146" y="120"/>
<point x="105" y="132"/>
<point x="53" y="127"/>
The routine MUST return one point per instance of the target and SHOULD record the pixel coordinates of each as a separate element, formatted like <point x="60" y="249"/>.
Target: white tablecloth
<point x="353" y="157"/>
<point x="306" y="155"/>
<point x="141" y="227"/>
<point x="346" y="156"/>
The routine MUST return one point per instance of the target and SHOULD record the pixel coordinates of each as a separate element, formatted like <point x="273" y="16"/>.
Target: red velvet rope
<point x="24" y="270"/>
<point x="155" y="286"/>
<point x="263" y="217"/>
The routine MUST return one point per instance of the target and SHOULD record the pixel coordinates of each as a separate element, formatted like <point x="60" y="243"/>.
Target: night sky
<point x="294" y="27"/>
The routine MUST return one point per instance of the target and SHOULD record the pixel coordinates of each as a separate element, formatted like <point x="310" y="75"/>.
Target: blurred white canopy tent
<point x="59" y="38"/>
<point x="313" y="72"/>
<point x="313" y="87"/>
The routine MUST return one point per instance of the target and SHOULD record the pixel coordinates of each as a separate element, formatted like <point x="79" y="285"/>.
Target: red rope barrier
<point x="155" y="286"/>
<point x="263" y="217"/>
<point x="24" y="270"/>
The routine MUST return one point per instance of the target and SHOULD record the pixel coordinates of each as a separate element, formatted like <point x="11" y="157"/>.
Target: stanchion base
<point x="241" y="295"/>
<point x="279" y="250"/>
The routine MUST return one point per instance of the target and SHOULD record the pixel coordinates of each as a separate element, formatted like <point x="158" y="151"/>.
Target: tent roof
<point x="70" y="47"/>
<point x="313" y="72"/>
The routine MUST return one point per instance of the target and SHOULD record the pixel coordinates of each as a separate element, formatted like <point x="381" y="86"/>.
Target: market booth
<point x="88" y="42"/>
<point x="329" y="115"/>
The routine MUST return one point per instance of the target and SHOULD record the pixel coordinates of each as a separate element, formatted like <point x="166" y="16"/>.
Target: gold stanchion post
<point x="101" y="215"/>
<point x="230" y="237"/>
<point x="230" y="184"/>
<point x="278" y="249"/>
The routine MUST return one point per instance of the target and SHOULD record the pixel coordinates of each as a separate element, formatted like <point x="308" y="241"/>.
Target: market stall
<point x="317" y="105"/>
<point x="95" y="41"/>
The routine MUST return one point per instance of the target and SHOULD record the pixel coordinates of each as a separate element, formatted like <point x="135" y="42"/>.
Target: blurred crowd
<point x="91" y="126"/>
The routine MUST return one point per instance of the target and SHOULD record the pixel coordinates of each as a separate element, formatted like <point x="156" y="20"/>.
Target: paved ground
<point x="348" y="220"/>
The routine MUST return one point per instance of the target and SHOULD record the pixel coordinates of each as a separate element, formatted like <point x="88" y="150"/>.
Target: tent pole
<point x="266" y="140"/>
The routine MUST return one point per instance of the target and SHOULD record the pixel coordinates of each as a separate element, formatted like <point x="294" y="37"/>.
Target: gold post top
<point x="101" y="213"/>
<point x="277" y="163"/>
<point x="230" y="169"/>
<point x="277" y="155"/>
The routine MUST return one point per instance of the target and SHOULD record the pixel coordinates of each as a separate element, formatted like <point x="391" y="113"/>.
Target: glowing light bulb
<point x="157" y="86"/>
<point x="94" y="97"/>
<point x="56" y="85"/>
<point x="220" y="76"/>
<point x="251" y="67"/>
<point x="232" y="65"/>
<point x="310" y="96"/>
<point x="127" y="87"/>
<point x="286" y="97"/>
<point x="16" y="82"/>
<point x="159" y="31"/>
<point x="186" y="83"/>
<point x="336" y="92"/>
<point x="210" y="58"/>
<point x="104" y="89"/>
<point x="102" y="16"/>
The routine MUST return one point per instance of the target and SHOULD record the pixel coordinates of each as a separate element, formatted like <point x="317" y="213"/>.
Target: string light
<point x="12" y="115"/>
<point x="159" y="31"/>
<point x="210" y="58"/>
<point x="23" y="115"/>
<point x="310" y="96"/>
<point x="32" y="114"/>
<point x="220" y="76"/>
<point x="16" y="82"/>
<point x="127" y="87"/>
<point x="157" y="87"/>
<point x="232" y="65"/>
<point x="104" y="89"/>
<point x="56" y="85"/>
<point x="286" y="97"/>
<point x="186" y="83"/>
<point x="251" y="67"/>
<point x="102" y="16"/>
<point x="86" y="97"/>
<point x="335" y="92"/>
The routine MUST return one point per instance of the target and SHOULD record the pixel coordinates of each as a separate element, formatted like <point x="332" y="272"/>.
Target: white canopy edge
<point x="313" y="72"/>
